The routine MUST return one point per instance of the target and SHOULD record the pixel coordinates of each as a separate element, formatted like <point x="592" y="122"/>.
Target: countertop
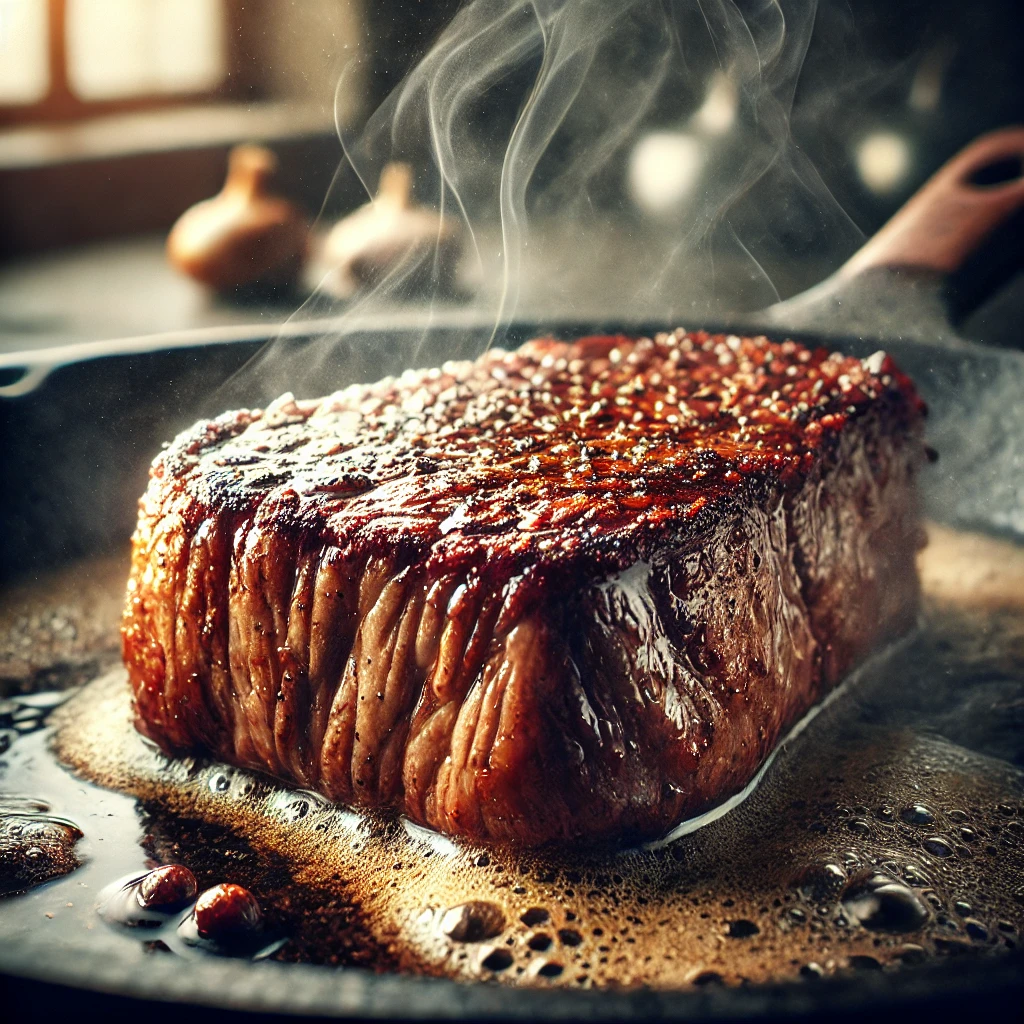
<point x="126" y="289"/>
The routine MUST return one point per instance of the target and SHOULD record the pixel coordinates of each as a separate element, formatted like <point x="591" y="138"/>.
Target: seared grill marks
<point x="573" y="590"/>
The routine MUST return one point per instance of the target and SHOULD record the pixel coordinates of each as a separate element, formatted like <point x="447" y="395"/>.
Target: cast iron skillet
<point x="80" y="425"/>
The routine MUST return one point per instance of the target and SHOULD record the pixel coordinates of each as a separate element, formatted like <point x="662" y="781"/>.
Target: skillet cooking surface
<point x="952" y="695"/>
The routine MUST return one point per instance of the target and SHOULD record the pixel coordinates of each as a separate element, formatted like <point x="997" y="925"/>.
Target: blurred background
<point x="116" y="116"/>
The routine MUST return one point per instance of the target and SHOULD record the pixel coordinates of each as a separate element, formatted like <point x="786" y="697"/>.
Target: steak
<point x="578" y="590"/>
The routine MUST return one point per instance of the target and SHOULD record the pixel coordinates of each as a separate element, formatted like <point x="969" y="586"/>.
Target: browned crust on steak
<point x="574" y="590"/>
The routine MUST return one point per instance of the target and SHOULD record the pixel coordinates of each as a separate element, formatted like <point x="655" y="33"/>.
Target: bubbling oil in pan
<point x="889" y="832"/>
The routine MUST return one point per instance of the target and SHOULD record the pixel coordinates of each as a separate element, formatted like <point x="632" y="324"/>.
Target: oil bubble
<point x="494" y="958"/>
<point x="226" y="912"/>
<point x="860" y="962"/>
<point x="546" y="969"/>
<point x="911" y="953"/>
<point x="473" y="921"/>
<point x="167" y="888"/>
<point x="937" y="846"/>
<point x="220" y="783"/>
<point x="119" y="904"/>
<point x="917" y="814"/>
<point x="820" y="882"/>
<point x="742" y="929"/>
<point x="881" y="903"/>
<point x="534" y="916"/>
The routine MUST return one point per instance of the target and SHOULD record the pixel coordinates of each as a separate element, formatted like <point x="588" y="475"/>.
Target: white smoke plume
<point x="628" y="160"/>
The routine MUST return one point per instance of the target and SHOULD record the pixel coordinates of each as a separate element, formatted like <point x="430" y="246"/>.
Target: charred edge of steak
<point x="460" y="596"/>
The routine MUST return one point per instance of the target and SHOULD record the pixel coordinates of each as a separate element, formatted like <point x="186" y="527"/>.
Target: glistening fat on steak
<point x="575" y="590"/>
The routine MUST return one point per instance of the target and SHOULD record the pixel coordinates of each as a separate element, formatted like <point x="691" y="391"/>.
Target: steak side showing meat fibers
<point x="576" y="590"/>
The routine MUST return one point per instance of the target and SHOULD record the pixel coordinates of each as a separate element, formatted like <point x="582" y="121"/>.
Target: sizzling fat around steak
<point x="576" y="590"/>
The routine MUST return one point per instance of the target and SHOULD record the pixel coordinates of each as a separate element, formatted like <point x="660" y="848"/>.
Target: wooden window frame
<point x="60" y="104"/>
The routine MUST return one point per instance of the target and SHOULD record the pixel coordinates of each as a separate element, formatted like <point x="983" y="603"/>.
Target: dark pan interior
<point x="73" y="462"/>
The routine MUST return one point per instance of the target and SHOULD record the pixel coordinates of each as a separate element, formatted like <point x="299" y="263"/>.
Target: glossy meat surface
<point x="576" y="590"/>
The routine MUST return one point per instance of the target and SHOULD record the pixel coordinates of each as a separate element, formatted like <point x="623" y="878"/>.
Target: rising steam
<point x="532" y="123"/>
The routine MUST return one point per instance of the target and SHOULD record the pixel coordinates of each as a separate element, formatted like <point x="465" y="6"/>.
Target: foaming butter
<point x="861" y="848"/>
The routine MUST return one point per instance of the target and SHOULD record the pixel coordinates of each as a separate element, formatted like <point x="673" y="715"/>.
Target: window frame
<point x="60" y="104"/>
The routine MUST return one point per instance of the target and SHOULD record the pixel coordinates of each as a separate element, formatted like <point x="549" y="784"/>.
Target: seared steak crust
<point x="579" y="589"/>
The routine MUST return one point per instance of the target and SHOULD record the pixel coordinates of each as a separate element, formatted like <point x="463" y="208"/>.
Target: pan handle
<point x="26" y="380"/>
<point x="953" y="213"/>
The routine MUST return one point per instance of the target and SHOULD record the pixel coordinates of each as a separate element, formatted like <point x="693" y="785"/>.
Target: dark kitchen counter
<point x="126" y="289"/>
<point x="112" y="290"/>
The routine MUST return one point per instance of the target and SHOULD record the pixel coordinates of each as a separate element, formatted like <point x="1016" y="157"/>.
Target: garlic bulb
<point x="245" y="236"/>
<point x="392" y="233"/>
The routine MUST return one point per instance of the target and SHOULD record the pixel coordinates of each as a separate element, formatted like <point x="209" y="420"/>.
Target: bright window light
<point x="122" y="48"/>
<point x="24" y="51"/>
<point x="883" y="160"/>
<point x="664" y="169"/>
